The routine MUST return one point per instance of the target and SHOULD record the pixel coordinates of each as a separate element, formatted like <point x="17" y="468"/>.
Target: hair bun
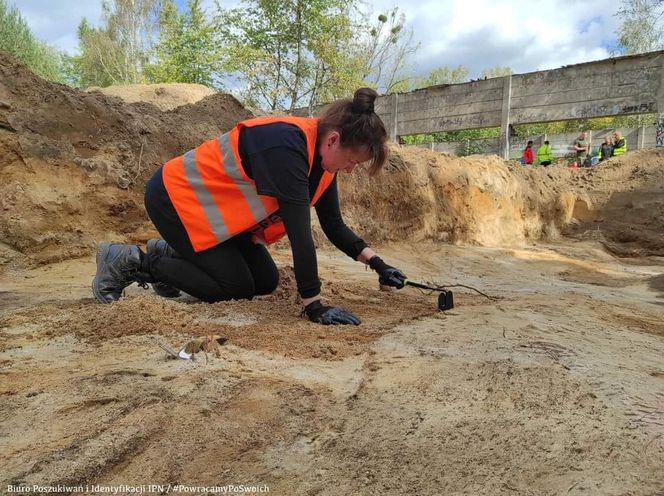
<point x="363" y="101"/>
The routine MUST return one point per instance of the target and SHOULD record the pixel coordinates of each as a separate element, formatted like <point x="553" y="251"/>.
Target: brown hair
<point x="358" y="125"/>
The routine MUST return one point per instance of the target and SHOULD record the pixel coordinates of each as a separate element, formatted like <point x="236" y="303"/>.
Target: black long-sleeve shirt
<point x="275" y="157"/>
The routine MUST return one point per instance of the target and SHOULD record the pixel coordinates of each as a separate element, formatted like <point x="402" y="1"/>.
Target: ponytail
<point x="358" y="126"/>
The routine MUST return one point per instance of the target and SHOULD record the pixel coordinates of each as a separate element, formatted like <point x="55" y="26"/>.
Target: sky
<point x="478" y="34"/>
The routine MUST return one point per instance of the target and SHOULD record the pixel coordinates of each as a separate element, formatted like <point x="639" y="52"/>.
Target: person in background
<point x="528" y="154"/>
<point x="581" y="147"/>
<point x="544" y="154"/>
<point x="606" y="149"/>
<point x="619" y="144"/>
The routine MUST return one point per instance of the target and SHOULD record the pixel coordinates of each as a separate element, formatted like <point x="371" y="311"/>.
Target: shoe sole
<point x="102" y="251"/>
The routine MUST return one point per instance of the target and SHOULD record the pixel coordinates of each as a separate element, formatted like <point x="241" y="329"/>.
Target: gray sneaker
<point x="161" y="248"/>
<point x="118" y="266"/>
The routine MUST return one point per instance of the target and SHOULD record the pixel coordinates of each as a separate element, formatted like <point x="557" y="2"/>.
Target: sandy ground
<point x="554" y="387"/>
<point x="166" y="96"/>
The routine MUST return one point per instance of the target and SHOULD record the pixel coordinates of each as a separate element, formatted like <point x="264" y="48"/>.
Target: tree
<point x="386" y="51"/>
<point x="132" y="25"/>
<point x="289" y="53"/>
<point x="642" y="29"/>
<point x="497" y="71"/>
<point x="100" y="62"/>
<point x="443" y="75"/>
<point x="17" y="39"/>
<point x="188" y="49"/>
<point x="116" y="52"/>
<point x="337" y="71"/>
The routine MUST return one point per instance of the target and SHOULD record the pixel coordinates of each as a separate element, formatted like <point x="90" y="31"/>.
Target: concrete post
<point x="505" y="118"/>
<point x="395" y="117"/>
<point x="640" y="137"/>
<point x="659" y="136"/>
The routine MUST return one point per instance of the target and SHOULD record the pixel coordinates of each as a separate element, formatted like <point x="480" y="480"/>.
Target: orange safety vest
<point x="214" y="197"/>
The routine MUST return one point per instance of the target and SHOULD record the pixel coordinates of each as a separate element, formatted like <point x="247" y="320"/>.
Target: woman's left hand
<point x="387" y="275"/>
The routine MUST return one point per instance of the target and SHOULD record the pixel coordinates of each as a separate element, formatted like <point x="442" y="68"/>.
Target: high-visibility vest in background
<point x="608" y="154"/>
<point x="544" y="154"/>
<point x="619" y="150"/>
<point x="214" y="197"/>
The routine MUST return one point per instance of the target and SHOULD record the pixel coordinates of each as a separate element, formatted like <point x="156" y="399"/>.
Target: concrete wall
<point x="605" y="88"/>
<point x="618" y="86"/>
<point x="446" y="108"/>
<point x="611" y="87"/>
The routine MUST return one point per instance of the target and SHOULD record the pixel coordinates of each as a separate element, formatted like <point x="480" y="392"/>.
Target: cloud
<point x="525" y="36"/>
<point x="478" y="34"/>
<point x="56" y="22"/>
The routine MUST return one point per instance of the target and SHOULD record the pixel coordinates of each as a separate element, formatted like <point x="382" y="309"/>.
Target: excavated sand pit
<point x="555" y="388"/>
<point x="554" y="385"/>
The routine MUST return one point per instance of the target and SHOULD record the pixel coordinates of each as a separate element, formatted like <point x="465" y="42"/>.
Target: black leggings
<point x="234" y="269"/>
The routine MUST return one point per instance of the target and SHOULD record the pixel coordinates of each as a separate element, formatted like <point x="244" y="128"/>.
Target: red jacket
<point x="528" y="155"/>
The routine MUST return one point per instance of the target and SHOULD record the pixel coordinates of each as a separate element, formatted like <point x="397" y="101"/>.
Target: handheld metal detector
<point x="445" y="298"/>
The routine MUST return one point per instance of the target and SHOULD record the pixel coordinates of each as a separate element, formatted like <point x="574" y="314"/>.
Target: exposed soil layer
<point x="74" y="163"/>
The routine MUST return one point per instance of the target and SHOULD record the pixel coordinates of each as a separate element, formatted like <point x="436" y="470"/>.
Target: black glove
<point x="388" y="276"/>
<point x="317" y="312"/>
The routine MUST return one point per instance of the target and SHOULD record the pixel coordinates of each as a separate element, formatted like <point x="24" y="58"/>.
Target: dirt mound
<point x="165" y="96"/>
<point x="74" y="163"/>
<point x="478" y="199"/>
<point x="487" y="201"/>
<point x="621" y="203"/>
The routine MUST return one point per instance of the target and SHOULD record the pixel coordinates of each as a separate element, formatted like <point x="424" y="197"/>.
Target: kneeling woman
<point x="217" y="206"/>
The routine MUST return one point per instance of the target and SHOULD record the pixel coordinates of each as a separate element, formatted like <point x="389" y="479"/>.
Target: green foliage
<point x="472" y="147"/>
<point x="116" y="52"/>
<point x="578" y="125"/>
<point x="635" y="120"/>
<point x="290" y="54"/>
<point x="101" y="59"/>
<point x="465" y="135"/>
<point x="386" y="51"/>
<point x="443" y="75"/>
<point x="338" y="70"/>
<point x="17" y="40"/>
<point x="298" y="53"/>
<point x="642" y="28"/>
<point x="497" y="71"/>
<point x="188" y="49"/>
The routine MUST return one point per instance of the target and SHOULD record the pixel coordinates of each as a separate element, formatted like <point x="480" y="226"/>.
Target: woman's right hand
<point x="327" y="315"/>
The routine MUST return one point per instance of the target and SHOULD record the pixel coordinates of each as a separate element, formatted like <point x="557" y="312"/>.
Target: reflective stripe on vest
<point x="213" y="196"/>
<point x="620" y="150"/>
<point x="272" y="229"/>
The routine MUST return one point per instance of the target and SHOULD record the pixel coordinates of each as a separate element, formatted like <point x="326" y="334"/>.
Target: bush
<point x="17" y="40"/>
